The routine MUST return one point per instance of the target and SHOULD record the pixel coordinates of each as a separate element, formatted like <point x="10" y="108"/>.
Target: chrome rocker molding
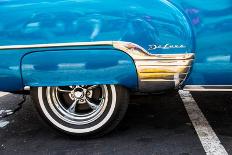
<point x="222" y="88"/>
<point x="156" y="72"/>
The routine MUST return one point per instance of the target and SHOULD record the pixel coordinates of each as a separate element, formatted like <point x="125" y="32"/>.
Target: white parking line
<point x="207" y="136"/>
<point x="3" y="94"/>
<point x="3" y="123"/>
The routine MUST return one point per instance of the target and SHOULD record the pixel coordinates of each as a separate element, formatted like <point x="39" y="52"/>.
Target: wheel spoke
<point x="73" y="106"/>
<point x="92" y="105"/>
<point x="92" y="87"/>
<point x="63" y="90"/>
<point x="75" y="87"/>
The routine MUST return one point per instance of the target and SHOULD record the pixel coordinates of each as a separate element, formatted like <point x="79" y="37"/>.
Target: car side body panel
<point x="66" y="66"/>
<point x="78" y="67"/>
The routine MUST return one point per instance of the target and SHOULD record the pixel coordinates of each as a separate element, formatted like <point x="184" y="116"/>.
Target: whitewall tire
<point x="82" y="110"/>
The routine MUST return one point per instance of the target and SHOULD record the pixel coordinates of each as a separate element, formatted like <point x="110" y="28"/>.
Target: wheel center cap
<point x="79" y="94"/>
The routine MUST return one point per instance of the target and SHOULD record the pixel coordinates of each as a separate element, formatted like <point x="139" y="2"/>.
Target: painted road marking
<point x="207" y="136"/>
<point x="3" y="94"/>
<point x="3" y="123"/>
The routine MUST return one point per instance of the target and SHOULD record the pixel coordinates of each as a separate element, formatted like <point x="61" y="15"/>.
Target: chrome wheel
<point x="82" y="110"/>
<point x="78" y="104"/>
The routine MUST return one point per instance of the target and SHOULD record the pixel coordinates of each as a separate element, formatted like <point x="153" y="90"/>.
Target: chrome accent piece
<point x="26" y="88"/>
<point x="170" y="63"/>
<point x="165" y="47"/>
<point x="139" y="53"/>
<point x="208" y="88"/>
<point x="157" y="72"/>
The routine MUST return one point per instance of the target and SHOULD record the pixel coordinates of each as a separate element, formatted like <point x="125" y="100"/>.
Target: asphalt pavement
<point x="154" y="124"/>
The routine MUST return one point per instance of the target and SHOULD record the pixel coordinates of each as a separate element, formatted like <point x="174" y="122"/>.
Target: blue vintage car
<point x="81" y="58"/>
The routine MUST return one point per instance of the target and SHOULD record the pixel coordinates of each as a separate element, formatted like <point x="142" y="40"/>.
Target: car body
<point x="150" y="46"/>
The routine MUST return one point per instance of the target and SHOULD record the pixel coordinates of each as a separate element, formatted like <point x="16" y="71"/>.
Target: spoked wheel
<point x="85" y="110"/>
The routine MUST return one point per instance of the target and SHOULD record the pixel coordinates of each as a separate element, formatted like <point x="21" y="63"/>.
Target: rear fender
<point x="64" y="67"/>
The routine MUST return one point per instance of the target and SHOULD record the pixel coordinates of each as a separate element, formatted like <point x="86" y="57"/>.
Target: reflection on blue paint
<point x="212" y="25"/>
<point x="94" y="20"/>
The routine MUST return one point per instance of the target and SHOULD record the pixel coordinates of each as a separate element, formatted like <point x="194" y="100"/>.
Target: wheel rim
<point x="78" y="104"/>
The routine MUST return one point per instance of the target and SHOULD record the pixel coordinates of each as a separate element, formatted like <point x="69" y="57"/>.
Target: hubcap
<point x="79" y="94"/>
<point x="78" y="104"/>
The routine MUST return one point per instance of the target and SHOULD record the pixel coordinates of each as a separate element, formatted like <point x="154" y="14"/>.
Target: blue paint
<point x="10" y="75"/>
<point x="79" y="67"/>
<point x="204" y="27"/>
<point x="212" y="26"/>
<point x="153" y="22"/>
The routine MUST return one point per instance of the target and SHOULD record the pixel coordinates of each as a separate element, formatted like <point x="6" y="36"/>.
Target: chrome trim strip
<point x="72" y="44"/>
<point x="208" y="88"/>
<point x="170" y="63"/>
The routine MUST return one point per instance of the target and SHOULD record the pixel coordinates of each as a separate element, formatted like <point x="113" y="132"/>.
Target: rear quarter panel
<point x="211" y="22"/>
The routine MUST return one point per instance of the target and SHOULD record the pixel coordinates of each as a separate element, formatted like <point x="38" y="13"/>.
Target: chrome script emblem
<point x="165" y="47"/>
